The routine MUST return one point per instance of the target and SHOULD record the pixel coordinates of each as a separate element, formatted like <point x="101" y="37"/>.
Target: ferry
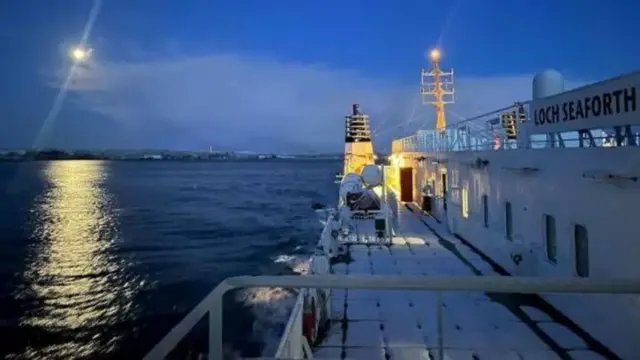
<point x="509" y="235"/>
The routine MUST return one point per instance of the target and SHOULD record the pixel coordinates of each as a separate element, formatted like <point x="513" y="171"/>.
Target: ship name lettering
<point x="604" y="104"/>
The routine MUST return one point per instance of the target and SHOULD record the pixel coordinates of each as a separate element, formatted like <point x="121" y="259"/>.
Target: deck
<point x="374" y="324"/>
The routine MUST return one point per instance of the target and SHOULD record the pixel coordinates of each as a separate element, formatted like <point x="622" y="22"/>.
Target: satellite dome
<point x="547" y="83"/>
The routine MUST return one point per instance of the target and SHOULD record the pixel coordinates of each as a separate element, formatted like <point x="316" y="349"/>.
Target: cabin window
<point x="465" y="202"/>
<point x="550" y="237"/>
<point x="508" y="221"/>
<point x="485" y="207"/>
<point x="581" y="249"/>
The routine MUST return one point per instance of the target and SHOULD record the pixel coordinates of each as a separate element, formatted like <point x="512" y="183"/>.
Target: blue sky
<point x="279" y="75"/>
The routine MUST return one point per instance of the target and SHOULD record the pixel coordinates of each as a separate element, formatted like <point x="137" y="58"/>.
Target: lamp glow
<point x="79" y="54"/>
<point x="434" y="55"/>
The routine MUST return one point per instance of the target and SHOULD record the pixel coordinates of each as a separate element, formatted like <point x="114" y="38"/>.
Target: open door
<point x="406" y="184"/>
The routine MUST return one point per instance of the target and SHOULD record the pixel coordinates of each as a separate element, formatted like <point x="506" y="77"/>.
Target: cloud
<point x="234" y="102"/>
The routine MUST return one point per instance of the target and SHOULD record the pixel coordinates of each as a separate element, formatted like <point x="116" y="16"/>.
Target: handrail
<point x="493" y="112"/>
<point x="212" y="303"/>
<point x="293" y="324"/>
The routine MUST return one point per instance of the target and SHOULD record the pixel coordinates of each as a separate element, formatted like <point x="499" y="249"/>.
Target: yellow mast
<point x="438" y="91"/>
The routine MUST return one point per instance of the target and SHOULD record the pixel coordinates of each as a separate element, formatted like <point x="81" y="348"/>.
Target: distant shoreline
<point x="173" y="160"/>
<point x="142" y="155"/>
<point x="47" y="155"/>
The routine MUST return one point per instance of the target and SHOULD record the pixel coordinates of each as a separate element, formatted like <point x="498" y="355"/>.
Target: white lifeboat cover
<point x="350" y="183"/>
<point x="371" y="175"/>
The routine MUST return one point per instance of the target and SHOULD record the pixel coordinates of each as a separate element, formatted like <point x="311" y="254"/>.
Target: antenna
<point x="437" y="88"/>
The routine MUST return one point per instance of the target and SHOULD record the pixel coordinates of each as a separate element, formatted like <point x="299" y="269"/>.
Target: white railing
<point x="478" y="133"/>
<point x="212" y="304"/>
<point x="327" y="243"/>
<point x="291" y="344"/>
<point x="485" y="132"/>
<point x="319" y="264"/>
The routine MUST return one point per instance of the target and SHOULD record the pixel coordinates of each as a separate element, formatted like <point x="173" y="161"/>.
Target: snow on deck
<point x="378" y="324"/>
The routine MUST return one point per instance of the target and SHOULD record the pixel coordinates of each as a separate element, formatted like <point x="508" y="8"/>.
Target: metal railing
<point x="326" y="243"/>
<point x="292" y="345"/>
<point x="477" y="133"/>
<point x="212" y="304"/>
<point x="485" y="132"/>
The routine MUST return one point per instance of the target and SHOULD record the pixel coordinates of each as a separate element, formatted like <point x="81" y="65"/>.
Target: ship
<point x="509" y="235"/>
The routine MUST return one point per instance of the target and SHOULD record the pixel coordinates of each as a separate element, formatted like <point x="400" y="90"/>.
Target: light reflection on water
<point x="72" y="271"/>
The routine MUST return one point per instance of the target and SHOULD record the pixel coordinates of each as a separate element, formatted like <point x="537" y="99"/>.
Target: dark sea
<point x="99" y="259"/>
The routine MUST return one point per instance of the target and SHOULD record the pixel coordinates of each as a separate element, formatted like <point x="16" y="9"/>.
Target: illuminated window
<point x="465" y="202"/>
<point x="581" y="250"/>
<point x="550" y="237"/>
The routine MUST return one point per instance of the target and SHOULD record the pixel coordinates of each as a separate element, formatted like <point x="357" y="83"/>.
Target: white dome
<point x="547" y="83"/>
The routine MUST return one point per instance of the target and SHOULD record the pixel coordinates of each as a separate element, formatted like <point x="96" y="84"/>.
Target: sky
<point x="280" y="75"/>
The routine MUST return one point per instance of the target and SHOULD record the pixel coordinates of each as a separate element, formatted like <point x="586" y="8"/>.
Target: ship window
<point x="581" y="249"/>
<point x="485" y="206"/>
<point x="508" y="221"/>
<point x="550" y="237"/>
<point x="465" y="202"/>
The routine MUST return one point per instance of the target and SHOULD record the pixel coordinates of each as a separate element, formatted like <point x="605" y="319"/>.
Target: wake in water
<point x="271" y="307"/>
<point x="298" y="264"/>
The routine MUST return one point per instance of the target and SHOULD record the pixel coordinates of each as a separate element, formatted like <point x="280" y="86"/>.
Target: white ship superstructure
<point x="510" y="235"/>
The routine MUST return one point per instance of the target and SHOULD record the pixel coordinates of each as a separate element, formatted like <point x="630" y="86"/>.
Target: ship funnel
<point x="356" y="109"/>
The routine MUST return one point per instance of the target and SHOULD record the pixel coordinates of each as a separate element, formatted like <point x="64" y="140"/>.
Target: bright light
<point x="435" y="54"/>
<point x="79" y="54"/>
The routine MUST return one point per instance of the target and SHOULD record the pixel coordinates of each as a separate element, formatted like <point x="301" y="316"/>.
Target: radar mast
<point x="437" y="88"/>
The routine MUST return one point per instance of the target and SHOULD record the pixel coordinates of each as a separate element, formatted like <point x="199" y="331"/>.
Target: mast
<point x="437" y="88"/>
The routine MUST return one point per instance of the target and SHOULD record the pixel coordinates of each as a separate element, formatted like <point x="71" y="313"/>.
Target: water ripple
<point x="100" y="259"/>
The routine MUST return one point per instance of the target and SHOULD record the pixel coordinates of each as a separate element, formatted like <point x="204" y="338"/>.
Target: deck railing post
<point x="215" y="328"/>
<point x="385" y="206"/>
